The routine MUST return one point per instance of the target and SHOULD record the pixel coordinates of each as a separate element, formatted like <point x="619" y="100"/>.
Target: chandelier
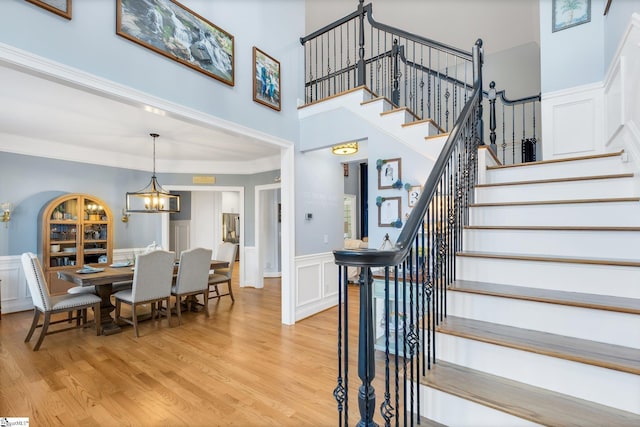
<point x="153" y="198"/>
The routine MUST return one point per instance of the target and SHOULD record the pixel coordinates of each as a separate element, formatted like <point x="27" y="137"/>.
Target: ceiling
<point x="55" y="117"/>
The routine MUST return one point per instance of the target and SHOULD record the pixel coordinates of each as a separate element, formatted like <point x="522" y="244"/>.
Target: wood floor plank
<point x="604" y="355"/>
<point x="524" y="401"/>
<point x="241" y="366"/>
<point x="550" y="296"/>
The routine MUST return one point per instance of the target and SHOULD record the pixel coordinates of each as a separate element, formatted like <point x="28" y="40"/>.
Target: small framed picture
<point x="414" y="195"/>
<point x="569" y="13"/>
<point x="389" y="173"/>
<point x="266" y="87"/>
<point x="389" y="211"/>
<point x="59" y="7"/>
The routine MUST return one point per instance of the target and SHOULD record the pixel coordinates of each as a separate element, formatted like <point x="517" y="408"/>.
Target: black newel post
<point x="395" y="93"/>
<point x="492" y="116"/>
<point x="360" y="65"/>
<point x="366" y="366"/>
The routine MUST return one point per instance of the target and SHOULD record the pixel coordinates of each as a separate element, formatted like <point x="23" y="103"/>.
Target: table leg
<point x="109" y="326"/>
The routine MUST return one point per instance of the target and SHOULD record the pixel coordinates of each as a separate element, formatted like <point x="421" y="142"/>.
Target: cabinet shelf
<point x="64" y="225"/>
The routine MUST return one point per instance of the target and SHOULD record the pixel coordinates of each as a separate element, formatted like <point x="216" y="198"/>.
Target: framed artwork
<point x="389" y="212"/>
<point x="174" y="31"/>
<point x="413" y="195"/>
<point x="569" y="13"/>
<point x="266" y="87"/>
<point x="389" y="173"/>
<point x="59" y="7"/>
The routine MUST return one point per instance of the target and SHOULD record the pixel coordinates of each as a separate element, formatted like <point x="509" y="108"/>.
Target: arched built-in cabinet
<point x="77" y="229"/>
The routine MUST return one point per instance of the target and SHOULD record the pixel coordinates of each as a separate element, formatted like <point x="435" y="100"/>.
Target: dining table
<point x="103" y="281"/>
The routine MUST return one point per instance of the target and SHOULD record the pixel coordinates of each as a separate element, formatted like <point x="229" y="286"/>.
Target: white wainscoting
<point x="252" y="277"/>
<point x="316" y="284"/>
<point x="573" y="122"/>
<point x="15" y="294"/>
<point x="621" y="91"/>
<point x="599" y="117"/>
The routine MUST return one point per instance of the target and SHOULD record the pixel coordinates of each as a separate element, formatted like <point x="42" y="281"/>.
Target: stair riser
<point x="418" y="132"/>
<point x="587" y="278"/>
<point x="605" y="386"/>
<point x="453" y="411"/>
<point x="374" y="108"/>
<point x="598" y="166"/>
<point x="351" y="100"/>
<point x="395" y="120"/>
<point x="618" y="214"/>
<point x="572" y="190"/>
<point x="578" y="322"/>
<point x="602" y="244"/>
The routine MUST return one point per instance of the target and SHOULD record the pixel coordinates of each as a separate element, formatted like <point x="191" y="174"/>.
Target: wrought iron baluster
<point x="386" y="410"/>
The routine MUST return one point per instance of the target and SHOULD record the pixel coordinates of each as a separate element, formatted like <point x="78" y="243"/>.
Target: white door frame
<point x="258" y="192"/>
<point x="211" y="188"/>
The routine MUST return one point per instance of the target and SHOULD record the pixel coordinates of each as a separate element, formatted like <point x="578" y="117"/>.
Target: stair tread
<point x="531" y="403"/>
<point x="552" y="258"/>
<point x="556" y="202"/>
<point x="550" y="296"/>
<point x="556" y="180"/>
<point x="566" y="159"/>
<point x="550" y="228"/>
<point x="605" y="355"/>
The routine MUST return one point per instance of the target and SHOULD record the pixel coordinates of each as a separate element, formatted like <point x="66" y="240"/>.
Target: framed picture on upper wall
<point x="266" y="85"/>
<point x="174" y="31"/>
<point x="569" y="13"/>
<point x="59" y="7"/>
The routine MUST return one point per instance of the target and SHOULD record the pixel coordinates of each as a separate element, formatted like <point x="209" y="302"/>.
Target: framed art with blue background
<point x="569" y="13"/>
<point x="266" y="87"/>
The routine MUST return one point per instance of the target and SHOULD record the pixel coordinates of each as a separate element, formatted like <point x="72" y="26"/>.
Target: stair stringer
<point x="377" y="114"/>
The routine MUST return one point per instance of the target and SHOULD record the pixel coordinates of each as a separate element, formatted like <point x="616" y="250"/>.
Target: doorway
<point x="268" y="226"/>
<point x="207" y="205"/>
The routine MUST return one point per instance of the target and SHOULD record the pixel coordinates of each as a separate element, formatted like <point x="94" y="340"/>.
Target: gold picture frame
<point x="193" y="41"/>
<point x="266" y="85"/>
<point x="59" y="7"/>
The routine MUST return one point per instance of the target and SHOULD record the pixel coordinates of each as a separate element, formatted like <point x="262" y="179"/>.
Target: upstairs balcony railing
<point x="430" y="78"/>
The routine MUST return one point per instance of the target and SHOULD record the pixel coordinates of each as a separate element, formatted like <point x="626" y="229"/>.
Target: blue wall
<point x="89" y="42"/>
<point x="31" y="182"/>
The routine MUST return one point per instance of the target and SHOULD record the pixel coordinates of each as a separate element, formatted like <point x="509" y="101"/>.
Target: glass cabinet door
<point x="63" y="232"/>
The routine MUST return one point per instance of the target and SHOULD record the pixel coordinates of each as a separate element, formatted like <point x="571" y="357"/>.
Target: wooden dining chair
<point x="152" y="279"/>
<point x="226" y="252"/>
<point x="192" y="279"/>
<point x="46" y="304"/>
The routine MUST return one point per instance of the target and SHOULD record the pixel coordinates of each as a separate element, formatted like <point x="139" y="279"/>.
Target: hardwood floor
<point x="239" y="367"/>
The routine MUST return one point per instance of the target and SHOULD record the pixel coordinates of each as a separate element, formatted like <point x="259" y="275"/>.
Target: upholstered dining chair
<point x="48" y="305"/>
<point x="192" y="279"/>
<point x="226" y="252"/>
<point x="152" y="279"/>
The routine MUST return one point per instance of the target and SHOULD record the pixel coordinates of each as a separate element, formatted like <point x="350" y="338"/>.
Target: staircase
<point x="543" y="323"/>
